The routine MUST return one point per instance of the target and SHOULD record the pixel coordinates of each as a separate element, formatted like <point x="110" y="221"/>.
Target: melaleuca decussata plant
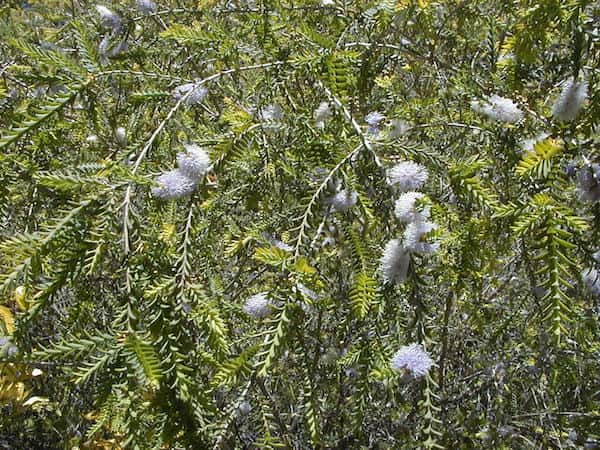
<point x="309" y="224"/>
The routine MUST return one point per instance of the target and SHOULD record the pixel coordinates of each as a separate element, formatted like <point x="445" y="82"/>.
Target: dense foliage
<point x="299" y="224"/>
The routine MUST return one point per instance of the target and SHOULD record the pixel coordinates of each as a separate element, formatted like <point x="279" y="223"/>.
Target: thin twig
<point x="316" y="196"/>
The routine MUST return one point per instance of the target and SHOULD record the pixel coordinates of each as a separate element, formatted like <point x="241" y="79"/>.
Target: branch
<point x="316" y="196"/>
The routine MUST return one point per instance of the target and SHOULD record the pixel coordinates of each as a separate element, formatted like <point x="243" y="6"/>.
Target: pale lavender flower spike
<point x="405" y="207"/>
<point x="173" y="184"/>
<point x="570" y="101"/>
<point x="322" y="114"/>
<point x="413" y="237"/>
<point x="343" y="200"/>
<point x="591" y="279"/>
<point x="412" y="358"/>
<point x="374" y="118"/>
<point x="196" y="96"/>
<point x="258" y="306"/>
<point x="498" y="108"/>
<point x="109" y="18"/>
<point x="394" y="262"/>
<point x="194" y="163"/>
<point x="271" y="113"/>
<point x="588" y="182"/>
<point x="408" y="176"/>
<point x="146" y="6"/>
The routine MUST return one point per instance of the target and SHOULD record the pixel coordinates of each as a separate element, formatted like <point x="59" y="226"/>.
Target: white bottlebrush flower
<point x="374" y="118"/>
<point x="528" y="144"/>
<point x="197" y="94"/>
<point x="109" y="18"/>
<point x="276" y="242"/>
<point x="92" y="139"/>
<point x="146" y="6"/>
<point x="412" y="358"/>
<point x="343" y="200"/>
<point x="121" y="136"/>
<point x="282" y="245"/>
<point x="408" y="176"/>
<point x="244" y="408"/>
<point x="498" y="108"/>
<point x="271" y="113"/>
<point x="414" y="234"/>
<point x="394" y="263"/>
<point x="398" y="128"/>
<point x="570" y="101"/>
<point x="194" y="163"/>
<point x="307" y="292"/>
<point x="329" y="241"/>
<point x="406" y="209"/>
<point x="505" y="59"/>
<point x="322" y="114"/>
<point x="258" y="306"/>
<point x="588" y="182"/>
<point x="327" y="2"/>
<point x="591" y="279"/>
<point x="173" y="184"/>
<point x="596" y="256"/>
<point x="104" y="46"/>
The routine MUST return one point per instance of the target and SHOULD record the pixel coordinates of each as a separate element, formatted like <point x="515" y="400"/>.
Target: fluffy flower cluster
<point x="121" y="136"/>
<point x="374" y="118"/>
<point x="322" y="114"/>
<point x="110" y="49"/>
<point x="343" y="200"/>
<point x="415" y="234"/>
<point x="405" y="207"/>
<point x="194" y="162"/>
<point x="271" y="117"/>
<point x="173" y="184"/>
<point x="146" y="6"/>
<point x="276" y="242"/>
<point x="412" y="358"/>
<point x="408" y="176"/>
<point x="591" y="279"/>
<point x="258" y="305"/>
<point x="588" y="182"/>
<point x="498" y="108"/>
<point x="570" y="101"/>
<point x="307" y="292"/>
<point x="394" y="262"/>
<point x="195" y="93"/>
<point x="191" y="167"/>
<point x="271" y="113"/>
<point x="109" y="19"/>
<point x="396" y="257"/>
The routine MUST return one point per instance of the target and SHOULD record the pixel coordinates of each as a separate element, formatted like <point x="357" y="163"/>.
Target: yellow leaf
<point x="403" y="4"/>
<point x="274" y="256"/>
<point x="21" y="298"/>
<point x="35" y="400"/>
<point x="206" y="3"/>
<point x="302" y="266"/>
<point x="385" y="81"/>
<point x="8" y="319"/>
